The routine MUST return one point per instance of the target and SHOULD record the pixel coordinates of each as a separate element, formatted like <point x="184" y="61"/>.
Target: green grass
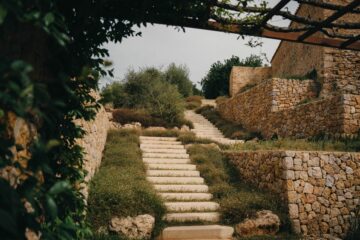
<point x="229" y="129"/>
<point x="237" y="199"/>
<point x="300" y="144"/>
<point x="120" y="187"/>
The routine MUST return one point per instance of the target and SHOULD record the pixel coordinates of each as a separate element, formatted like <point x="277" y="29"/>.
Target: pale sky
<point x="160" y="45"/>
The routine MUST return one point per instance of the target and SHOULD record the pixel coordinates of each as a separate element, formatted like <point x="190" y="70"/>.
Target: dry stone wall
<point x="338" y="70"/>
<point x="321" y="189"/>
<point x="241" y="76"/>
<point x="275" y="107"/>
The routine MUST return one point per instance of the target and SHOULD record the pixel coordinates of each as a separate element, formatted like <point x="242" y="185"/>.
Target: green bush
<point x="192" y="105"/>
<point x="179" y="76"/>
<point x="194" y="98"/>
<point x="126" y="115"/>
<point x="120" y="187"/>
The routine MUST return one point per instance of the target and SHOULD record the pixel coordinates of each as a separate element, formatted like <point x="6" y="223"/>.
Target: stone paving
<point x="184" y="191"/>
<point x="203" y="128"/>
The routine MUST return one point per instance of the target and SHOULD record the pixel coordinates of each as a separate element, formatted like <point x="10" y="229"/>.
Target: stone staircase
<point x="203" y="128"/>
<point x="184" y="191"/>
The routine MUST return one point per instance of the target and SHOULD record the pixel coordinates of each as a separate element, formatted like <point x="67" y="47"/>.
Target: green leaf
<point x="51" y="207"/>
<point x="2" y="113"/>
<point x="49" y="18"/>
<point x="59" y="187"/>
<point x="3" y="13"/>
<point x="52" y="143"/>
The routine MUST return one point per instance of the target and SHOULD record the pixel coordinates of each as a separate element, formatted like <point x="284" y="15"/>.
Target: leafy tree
<point x="216" y="82"/>
<point x="147" y="89"/>
<point x="113" y="93"/>
<point x="179" y="76"/>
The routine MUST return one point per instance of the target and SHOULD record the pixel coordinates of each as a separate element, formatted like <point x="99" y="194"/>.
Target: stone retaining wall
<point x="94" y="143"/>
<point x="321" y="189"/>
<point x="277" y="107"/>
<point x="241" y="76"/>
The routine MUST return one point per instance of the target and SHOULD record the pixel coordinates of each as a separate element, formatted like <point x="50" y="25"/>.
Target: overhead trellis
<point x="242" y="18"/>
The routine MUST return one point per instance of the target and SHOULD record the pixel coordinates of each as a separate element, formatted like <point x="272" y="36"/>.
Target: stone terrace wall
<point x="240" y="76"/>
<point x="341" y="71"/>
<point x="94" y="143"/>
<point x="338" y="70"/>
<point x="287" y="93"/>
<point x="296" y="59"/>
<point x="272" y="108"/>
<point x="321" y="189"/>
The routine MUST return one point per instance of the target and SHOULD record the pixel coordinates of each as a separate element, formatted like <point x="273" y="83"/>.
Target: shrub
<point x="192" y="105"/>
<point x="179" y="76"/>
<point x="194" y="98"/>
<point x="125" y="115"/>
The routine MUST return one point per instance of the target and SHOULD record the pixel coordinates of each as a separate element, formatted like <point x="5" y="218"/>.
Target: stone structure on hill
<point x="307" y="91"/>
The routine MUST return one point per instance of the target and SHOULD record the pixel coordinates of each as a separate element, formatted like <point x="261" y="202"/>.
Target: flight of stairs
<point x="203" y="128"/>
<point x="184" y="192"/>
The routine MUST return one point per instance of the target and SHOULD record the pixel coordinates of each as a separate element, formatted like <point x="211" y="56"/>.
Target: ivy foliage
<point x="50" y="56"/>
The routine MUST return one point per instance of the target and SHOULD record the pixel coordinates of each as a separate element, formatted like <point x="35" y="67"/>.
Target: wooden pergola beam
<point x="286" y="36"/>
<point x="333" y="17"/>
<point x="273" y="12"/>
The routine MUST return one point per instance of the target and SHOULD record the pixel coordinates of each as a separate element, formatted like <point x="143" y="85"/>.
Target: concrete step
<point x="161" y="150"/>
<point x="201" y="232"/>
<point x="172" y="173"/>
<point x="166" y="160"/>
<point x="165" y="155"/>
<point x="191" y="206"/>
<point x="155" y="166"/>
<point x="159" y="142"/>
<point x="161" y="146"/>
<point x="193" y="217"/>
<point x="183" y="188"/>
<point x="176" y="180"/>
<point x="158" y="138"/>
<point x="186" y="196"/>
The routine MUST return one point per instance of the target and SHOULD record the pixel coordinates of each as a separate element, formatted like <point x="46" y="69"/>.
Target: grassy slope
<point x="237" y="200"/>
<point x="120" y="187"/>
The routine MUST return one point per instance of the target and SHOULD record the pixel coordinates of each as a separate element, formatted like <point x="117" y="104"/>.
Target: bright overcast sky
<point x="197" y="49"/>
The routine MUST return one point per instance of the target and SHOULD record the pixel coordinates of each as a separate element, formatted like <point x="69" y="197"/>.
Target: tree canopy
<point x="216" y="81"/>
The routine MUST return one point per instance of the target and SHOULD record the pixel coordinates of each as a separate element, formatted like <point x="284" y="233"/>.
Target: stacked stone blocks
<point x="321" y="189"/>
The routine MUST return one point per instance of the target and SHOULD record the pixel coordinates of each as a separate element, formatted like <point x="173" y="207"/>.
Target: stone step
<point x="166" y="160"/>
<point x="155" y="166"/>
<point x="159" y="142"/>
<point x="182" y="188"/>
<point x="191" y="206"/>
<point x="172" y="173"/>
<point x="161" y="150"/>
<point x="186" y="196"/>
<point x="158" y="138"/>
<point x="161" y="146"/>
<point x="165" y="155"/>
<point x="200" y="232"/>
<point x="193" y="217"/>
<point x="176" y="180"/>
